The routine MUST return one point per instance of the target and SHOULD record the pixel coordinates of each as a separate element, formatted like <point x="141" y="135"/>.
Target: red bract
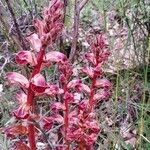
<point x="16" y="78"/>
<point x="26" y="57"/>
<point x="47" y="123"/>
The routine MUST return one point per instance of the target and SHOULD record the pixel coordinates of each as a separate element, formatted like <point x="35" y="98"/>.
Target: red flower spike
<point x="99" y="43"/>
<point x="16" y="78"/>
<point x="38" y="83"/>
<point x="15" y="130"/>
<point x="56" y="57"/>
<point x="51" y="25"/>
<point x="26" y="57"/>
<point x="35" y="42"/>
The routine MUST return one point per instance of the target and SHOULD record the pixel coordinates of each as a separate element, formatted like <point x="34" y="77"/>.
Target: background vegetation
<point x="125" y="118"/>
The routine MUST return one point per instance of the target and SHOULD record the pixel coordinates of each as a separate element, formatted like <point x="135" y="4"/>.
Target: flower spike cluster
<point x="47" y="31"/>
<point x="72" y="122"/>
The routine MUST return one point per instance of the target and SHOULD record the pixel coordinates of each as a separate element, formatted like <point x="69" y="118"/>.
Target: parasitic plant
<point x="72" y="122"/>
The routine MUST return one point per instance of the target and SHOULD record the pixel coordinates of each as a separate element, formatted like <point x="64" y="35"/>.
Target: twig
<point x="13" y="40"/>
<point x="16" y="24"/>
<point x="82" y="4"/>
<point x="78" y="7"/>
<point x="75" y="32"/>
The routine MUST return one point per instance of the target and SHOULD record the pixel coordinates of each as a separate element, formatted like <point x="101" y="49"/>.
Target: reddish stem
<point x="66" y="118"/>
<point x="30" y="101"/>
<point x="91" y="99"/>
<point x="81" y="146"/>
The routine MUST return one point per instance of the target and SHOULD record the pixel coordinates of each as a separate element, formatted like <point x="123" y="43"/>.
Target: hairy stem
<point x="30" y="101"/>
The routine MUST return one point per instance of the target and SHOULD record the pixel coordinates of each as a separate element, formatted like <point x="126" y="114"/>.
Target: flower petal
<point x="53" y="90"/>
<point x="102" y="95"/>
<point x="38" y="24"/>
<point x="47" y="123"/>
<point x="16" y="78"/>
<point x="57" y="106"/>
<point x="38" y="83"/>
<point x="103" y="83"/>
<point x="55" y="56"/>
<point x="35" y="42"/>
<point x="21" y="97"/>
<point x="79" y="86"/>
<point x="91" y="58"/>
<point x="88" y="71"/>
<point x="25" y="57"/>
<point x="22" y="112"/>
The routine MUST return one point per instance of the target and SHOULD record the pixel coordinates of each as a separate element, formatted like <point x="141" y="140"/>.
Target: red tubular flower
<point x="35" y="42"/>
<point x="53" y="90"/>
<point x="16" y="78"/>
<point x="103" y="83"/>
<point x="26" y="57"/>
<point x="78" y="85"/>
<point x="22" y="112"/>
<point x="55" y="57"/>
